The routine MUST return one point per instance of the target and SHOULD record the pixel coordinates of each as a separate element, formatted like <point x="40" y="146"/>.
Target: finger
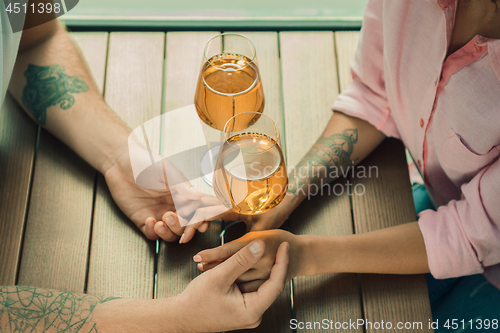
<point x="208" y="266"/>
<point x="188" y="191"/>
<point x="222" y="212"/>
<point x="187" y="209"/>
<point x="243" y="260"/>
<point x="173" y="221"/>
<point x="210" y="200"/>
<point x="165" y="233"/>
<point x="207" y="214"/>
<point x="204" y="226"/>
<point x="219" y="253"/>
<point x="250" y="287"/>
<point x="180" y="183"/>
<point x="253" y="274"/>
<point x="189" y="233"/>
<point x="148" y="228"/>
<point x="273" y="287"/>
<point x="178" y="199"/>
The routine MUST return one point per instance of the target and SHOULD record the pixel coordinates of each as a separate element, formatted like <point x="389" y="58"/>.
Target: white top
<point x="9" y="45"/>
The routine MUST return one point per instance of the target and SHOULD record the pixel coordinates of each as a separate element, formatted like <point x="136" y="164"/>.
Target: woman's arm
<point x="345" y="142"/>
<point x="395" y="250"/>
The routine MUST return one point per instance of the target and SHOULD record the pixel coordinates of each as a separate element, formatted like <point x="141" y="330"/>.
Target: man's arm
<point x="212" y="298"/>
<point x="30" y="309"/>
<point x="52" y="83"/>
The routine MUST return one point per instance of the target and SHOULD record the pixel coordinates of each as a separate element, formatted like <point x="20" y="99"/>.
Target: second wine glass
<point x="250" y="177"/>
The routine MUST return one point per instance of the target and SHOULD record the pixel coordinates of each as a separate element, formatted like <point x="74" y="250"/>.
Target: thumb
<point x="188" y="191"/>
<point x="178" y="181"/>
<point x="240" y="262"/>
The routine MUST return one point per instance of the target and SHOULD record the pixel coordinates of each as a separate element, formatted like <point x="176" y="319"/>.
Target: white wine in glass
<point x="250" y="176"/>
<point x="229" y="82"/>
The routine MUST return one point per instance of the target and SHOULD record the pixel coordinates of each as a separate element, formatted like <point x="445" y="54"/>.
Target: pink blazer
<point x="447" y="113"/>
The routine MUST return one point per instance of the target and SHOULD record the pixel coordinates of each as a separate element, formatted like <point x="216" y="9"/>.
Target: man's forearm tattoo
<point x="29" y="309"/>
<point x="47" y="86"/>
<point x="322" y="163"/>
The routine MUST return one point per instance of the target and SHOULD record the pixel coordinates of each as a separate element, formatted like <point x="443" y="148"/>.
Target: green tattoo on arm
<point x="47" y="86"/>
<point x="321" y="164"/>
<point x="29" y="309"/>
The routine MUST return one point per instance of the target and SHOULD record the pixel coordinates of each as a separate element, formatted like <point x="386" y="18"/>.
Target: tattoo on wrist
<point x="30" y="309"/>
<point x="47" y="86"/>
<point x="321" y="164"/>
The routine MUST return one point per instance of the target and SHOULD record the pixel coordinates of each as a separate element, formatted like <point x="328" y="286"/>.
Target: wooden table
<point x="60" y="229"/>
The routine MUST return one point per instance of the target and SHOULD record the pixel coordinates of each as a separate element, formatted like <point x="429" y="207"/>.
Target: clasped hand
<point x="152" y="207"/>
<point x="252" y="279"/>
<point x="216" y="301"/>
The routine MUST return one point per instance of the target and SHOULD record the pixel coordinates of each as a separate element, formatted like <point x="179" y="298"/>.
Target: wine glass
<point x="229" y="83"/>
<point x="250" y="177"/>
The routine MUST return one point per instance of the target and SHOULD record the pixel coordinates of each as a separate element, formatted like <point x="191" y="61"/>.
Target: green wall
<point x="259" y="14"/>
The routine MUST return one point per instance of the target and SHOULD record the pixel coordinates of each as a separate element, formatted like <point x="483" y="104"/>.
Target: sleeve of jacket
<point x="463" y="237"/>
<point x="365" y="97"/>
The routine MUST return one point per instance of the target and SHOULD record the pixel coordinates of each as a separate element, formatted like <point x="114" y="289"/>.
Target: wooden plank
<point x="388" y="202"/>
<point x="388" y="297"/>
<point x="17" y="152"/>
<point x="94" y="47"/>
<point x="60" y="215"/>
<point x="184" y="54"/>
<point x="122" y="259"/>
<point x="332" y="296"/>
<point x="309" y="89"/>
<point x="346" y="43"/>
<point x="61" y="203"/>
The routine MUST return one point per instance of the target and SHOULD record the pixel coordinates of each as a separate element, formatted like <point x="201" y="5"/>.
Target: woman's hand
<point x="211" y="209"/>
<point x="272" y="219"/>
<point x="260" y="272"/>
<point x="213" y="302"/>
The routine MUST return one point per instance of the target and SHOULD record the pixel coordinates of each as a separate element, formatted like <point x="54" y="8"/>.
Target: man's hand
<point x="195" y="215"/>
<point x="260" y="272"/>
<point x="151" y="210"/>
<point x="210" y="303"/>
<point x="214" y="299"/>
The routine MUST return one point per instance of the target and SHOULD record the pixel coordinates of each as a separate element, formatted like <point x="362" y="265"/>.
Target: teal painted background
<point x="220" y="14"/>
